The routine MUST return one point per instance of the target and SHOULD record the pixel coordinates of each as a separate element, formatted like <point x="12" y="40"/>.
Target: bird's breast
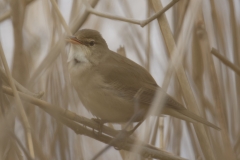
<point x="96" y="96"/>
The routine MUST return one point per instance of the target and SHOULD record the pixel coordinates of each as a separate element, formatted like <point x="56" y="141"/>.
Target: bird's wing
<point x="128" y="79"/>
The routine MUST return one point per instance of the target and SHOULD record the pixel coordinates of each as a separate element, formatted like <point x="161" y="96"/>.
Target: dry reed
<point x="177" y="41"/>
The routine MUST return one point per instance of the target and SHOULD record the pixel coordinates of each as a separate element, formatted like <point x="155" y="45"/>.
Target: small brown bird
<point x="107" y="82"/>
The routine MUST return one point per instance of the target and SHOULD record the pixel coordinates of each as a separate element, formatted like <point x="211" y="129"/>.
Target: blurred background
<point x="32" y="37"/>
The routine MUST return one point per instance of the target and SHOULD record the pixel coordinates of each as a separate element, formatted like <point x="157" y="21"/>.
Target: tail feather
<point x="187" y="115"/>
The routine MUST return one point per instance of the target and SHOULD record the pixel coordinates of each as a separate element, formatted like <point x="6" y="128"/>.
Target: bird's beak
<point x="73" y="40"/>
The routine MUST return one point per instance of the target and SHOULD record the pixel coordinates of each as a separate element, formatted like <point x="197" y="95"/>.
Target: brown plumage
<point x="107" y="82"/>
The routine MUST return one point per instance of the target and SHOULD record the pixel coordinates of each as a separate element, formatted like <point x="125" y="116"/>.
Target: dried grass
<point x="49" y="128"/>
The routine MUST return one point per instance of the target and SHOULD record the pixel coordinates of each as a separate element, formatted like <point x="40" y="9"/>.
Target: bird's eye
<point x="91" y="43"/>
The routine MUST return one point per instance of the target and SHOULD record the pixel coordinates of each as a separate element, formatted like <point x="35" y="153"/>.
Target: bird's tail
<point x="187" y="115"/>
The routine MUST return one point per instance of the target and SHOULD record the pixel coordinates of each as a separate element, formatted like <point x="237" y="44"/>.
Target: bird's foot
<point x="122" y="137"/>
<point x="100" y="126"/>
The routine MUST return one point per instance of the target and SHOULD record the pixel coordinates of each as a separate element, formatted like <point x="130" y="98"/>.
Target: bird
<point x="107" y="83"/>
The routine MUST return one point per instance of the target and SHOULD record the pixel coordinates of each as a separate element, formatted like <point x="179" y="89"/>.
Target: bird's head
<point x="87" y="46"/>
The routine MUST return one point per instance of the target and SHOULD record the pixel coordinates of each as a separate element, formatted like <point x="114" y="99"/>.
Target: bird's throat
<point x="78" y="54"/>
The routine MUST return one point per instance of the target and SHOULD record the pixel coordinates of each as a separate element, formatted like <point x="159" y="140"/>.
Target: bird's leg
<point x="123" y="135"/>
<point x="133" y="130"/>
<point x="126" y="133"/>
<point x="100" y="123"/>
